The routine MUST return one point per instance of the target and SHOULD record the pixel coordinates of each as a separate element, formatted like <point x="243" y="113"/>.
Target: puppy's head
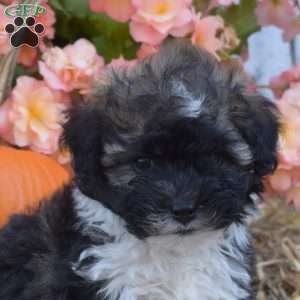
<point x="175" y="144"/>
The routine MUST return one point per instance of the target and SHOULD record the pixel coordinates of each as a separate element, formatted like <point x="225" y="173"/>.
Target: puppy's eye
<point x="143" y="163"/>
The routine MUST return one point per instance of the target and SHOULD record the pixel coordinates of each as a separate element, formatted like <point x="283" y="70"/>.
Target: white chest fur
<point x="192" y="267"/>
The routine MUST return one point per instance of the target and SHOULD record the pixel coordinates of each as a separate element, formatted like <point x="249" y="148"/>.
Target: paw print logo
<point x="24" y="32"/>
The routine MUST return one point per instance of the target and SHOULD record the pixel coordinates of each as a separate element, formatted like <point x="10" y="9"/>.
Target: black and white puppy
<point x="168" y="156"/>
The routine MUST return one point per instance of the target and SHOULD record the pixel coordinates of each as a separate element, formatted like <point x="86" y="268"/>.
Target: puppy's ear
<point x="83" y="136"/>
<point x="256" y="119"/>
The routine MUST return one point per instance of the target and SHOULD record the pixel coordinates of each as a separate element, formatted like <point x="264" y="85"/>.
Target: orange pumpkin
<point x="26" y="178"/>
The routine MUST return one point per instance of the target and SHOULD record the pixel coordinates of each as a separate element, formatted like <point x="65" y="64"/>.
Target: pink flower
<point x="119" y="10"/>
<point x="274" y="12"/>
<point x="292" y="30"/>
<point x="279" y="84"/>
<point x="34" y="114"/>
<point x="146" y="50"/>
<point x="146" y="34"/>
<point x="285" y="80"/>
<point x="282" y="13"/>
<point x="281" y="180"/>
<point x="289" y="143"/>
<point x="205" y="34"/>
<point x="184" y="24"/>
<point x="5" y="131"/>
<point x="96" y="6"/>
<point x="285" y="182"/>
<point x="5" y="46"/>
<point x="7" y="1"/>
<point x="155" y="19"/>
<point x="74" y="67"/>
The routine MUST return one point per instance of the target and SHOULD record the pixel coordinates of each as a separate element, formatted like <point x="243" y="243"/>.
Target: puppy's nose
<point x="184" y="212"/>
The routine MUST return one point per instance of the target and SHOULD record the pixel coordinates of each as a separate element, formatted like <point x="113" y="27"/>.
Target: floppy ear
<point x="83" y="135"/>
<point x="256" y="119"/>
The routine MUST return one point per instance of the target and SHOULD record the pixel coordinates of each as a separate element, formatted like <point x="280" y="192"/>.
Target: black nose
<point x="184" y="212"/>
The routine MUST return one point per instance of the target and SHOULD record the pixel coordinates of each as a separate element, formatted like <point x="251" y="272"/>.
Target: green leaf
<point x="129" y="52"/>
<point x="242" y="18"/>
<point x="111" y="38"/>
<point x="56" y="4"/>
<point x="22" y="71"/>
<point x="107" y="48"/>
<point x="78" y="8"/>
<point x="108" y="27"/>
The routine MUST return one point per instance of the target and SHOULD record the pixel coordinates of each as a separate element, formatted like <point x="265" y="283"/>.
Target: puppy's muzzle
<point x="184" y="211"/>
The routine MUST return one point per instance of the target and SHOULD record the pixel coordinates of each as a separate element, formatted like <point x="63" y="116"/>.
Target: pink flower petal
<point x="33" y="115"/>
<point x="163" y="16"/>
<point x="5" y="125"/>
<point x="120" y="10"/>
<point x="74" y="67"/>
<point x="146" y="34"/>
<point x="121" y="63"/>
<point x="146" y="50"/>
<point x="281" y="180"/>
<point x="184" y="24"/>
<point x="281" y="13"/>
<point x="51" y="78"/>
<point x="96" y="5"/>
<point x="205" y="33"/>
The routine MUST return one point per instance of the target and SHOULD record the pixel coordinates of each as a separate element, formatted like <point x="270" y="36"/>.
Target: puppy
<point x="169" y="157"/>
